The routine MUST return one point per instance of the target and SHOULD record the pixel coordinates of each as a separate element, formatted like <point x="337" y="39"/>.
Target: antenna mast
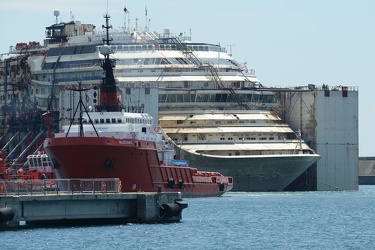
<point x="125" y="12"/>
<point x="108" y="89"/>
<point x="146" y="17"/>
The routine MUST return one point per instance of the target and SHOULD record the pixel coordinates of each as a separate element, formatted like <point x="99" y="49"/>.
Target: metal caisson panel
<point x="337" y="140"/>
<point x="328" y="120"/>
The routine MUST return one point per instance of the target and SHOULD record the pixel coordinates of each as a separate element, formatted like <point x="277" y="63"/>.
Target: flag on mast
<point x="145" y="10"/>
<point x="126" y="10"/>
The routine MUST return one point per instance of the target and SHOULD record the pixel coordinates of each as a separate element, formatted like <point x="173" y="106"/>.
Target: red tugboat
<point x="110" y="143"/>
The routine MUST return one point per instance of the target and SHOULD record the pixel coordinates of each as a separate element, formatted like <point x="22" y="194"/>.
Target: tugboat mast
<point x="108" y="89"/>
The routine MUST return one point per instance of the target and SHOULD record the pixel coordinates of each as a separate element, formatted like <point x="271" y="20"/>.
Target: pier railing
<point x="60" y="186"/>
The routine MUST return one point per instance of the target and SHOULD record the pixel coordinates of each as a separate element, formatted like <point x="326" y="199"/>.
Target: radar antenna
<point x="56" y="13"/>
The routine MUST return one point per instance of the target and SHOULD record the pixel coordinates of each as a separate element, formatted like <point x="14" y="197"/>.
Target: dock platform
<point x="52" y="205"/>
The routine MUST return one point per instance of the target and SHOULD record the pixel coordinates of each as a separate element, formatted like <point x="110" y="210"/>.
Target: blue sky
<point x="288" y="43"/>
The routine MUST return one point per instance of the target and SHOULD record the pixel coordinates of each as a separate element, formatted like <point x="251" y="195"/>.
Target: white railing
<point x="60" y="186"/>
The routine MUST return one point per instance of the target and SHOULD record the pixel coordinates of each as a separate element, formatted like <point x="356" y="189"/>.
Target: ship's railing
<point x="326" y="87"/>
<point x="60" y="186"/>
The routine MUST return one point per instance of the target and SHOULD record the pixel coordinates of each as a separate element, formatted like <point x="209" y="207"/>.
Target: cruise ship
<point x="210" y="106"/>
<point x="260" y="152"/>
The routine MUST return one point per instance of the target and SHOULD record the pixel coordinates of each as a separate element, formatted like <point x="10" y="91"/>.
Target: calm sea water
<point x="298" y="220"/>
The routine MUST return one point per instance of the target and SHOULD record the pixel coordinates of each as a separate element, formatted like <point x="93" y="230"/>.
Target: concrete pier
<point x="69" y="207"/>
<point x="366" y="171"/>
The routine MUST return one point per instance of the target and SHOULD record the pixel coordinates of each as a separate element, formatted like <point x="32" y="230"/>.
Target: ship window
<point x="78" y="50"/>
<point x="271" y="138"/>
<point x="48" y="65"/>
<point x="180" y="98"/>
<point x="101" y="120"/>
<point x="119" y="120"/>
<point x="222" y="139"/>
<point x="68" y="50"/>
<point x="54" y="51"/>
<point x="218" y="122"/>
<point x="88" y="49"/>
<point x="107" y="120"/>
<point x="174" y="60"/>
<point x="252" y="138"/>
<point x="165" y="61"/>
<point x="230" y="138"/>
<point x="96" y="121"/>
<point x="263" y="138"/>
<point x="113" y="120"/>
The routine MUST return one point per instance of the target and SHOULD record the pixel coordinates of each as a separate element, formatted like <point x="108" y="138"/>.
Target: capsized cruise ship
<point x="170" y="77"/>
<point x="254" y="146"/>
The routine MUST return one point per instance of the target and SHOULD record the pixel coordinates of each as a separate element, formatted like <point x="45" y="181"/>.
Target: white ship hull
<point x="255" y="173"/>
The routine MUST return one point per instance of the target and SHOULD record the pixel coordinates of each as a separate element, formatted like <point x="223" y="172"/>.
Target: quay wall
<point x="366" y="171"/>
<point x="106" y="207"/>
